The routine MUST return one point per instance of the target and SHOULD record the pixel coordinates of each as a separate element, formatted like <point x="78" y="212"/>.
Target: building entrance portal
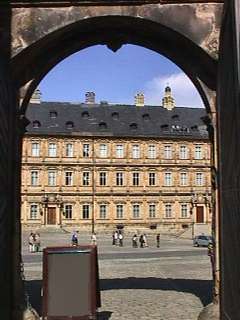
<point x="200" y="214"/>
<point x="51" y="216"/>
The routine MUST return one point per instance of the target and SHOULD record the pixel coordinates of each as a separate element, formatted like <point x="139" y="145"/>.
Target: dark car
<point x="202" y="241"/>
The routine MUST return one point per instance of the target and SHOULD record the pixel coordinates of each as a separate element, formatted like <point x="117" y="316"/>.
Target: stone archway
<point x="37" y="37"/>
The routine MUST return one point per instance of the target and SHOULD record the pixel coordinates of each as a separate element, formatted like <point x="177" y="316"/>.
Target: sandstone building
<point x="103" y="165"/>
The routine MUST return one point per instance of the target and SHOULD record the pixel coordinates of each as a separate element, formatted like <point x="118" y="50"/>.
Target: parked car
<point x="202" y="241"/>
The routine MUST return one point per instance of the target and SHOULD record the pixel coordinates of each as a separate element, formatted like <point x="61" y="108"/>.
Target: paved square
<point x="169" y="283"/>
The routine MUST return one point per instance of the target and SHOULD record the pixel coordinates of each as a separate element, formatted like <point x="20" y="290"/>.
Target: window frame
<point x="53" y="178"/>
<point x="69" y="153"/>
<point x="68" y="177"/>
<point x="35" y="150"/>
<point x="33" y="215"/>
<point x="34" y="179"/>
<point x="135" y="179"/>
<point x="52" y="152"/>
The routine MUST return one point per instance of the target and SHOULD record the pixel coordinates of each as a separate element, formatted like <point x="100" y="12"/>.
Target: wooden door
<point x="200" y="214"/>
<point x="51" y="216"/>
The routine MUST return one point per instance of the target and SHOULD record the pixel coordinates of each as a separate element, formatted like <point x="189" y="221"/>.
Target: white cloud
<point x="183" y="90"/>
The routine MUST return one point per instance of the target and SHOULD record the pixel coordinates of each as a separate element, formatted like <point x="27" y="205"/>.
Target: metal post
<point x="93" y="186"/>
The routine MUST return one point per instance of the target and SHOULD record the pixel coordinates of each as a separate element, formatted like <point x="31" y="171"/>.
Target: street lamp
<point x="193" y="203"/>
<point x="44" y="200"/>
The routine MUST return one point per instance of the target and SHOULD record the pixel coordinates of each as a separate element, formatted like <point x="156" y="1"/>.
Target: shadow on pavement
<point x="33" y="289"/>
<point x="200" y="288"/>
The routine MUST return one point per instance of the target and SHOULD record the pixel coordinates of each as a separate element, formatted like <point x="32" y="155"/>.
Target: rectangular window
<point x="52" y="178"/>
<point x="69" y="150"/>
<point x="183" y="152"/>
<point x="68" y="178"/>
<point x="119" y="211"/>
<point x="184" y="211"/>
<point x="103" y="211"/>
<point x="85" y="211"/>
<point x="33" y="211"/>
<point x="198" y="152"/>
<point x="103" y="150"/>
<point x="119" y="151"/>
<point x="151" y="151"/>
<point x="183" y="179"/>
<point x="168" y="179"/>
<point x="103" y="178"/>
<point x="168" y="152"/>
<point x="168" y="211"/>
<point x="35" y="149"/>
<point x="34" y="178"/>
<point x="136" y="211"/>
<point x="199" y="179"/>
<point x="86" y="150"/>
<point x="152" y="211"/>
<point x="86" y="178"/>
<point x="52" y="150"/>
<point x="68" y="211"/>
<point x="119" y="178"/>
<point x="152" y="178"/>
<point x="135" y="177"/>
<point x="135" y="151"/>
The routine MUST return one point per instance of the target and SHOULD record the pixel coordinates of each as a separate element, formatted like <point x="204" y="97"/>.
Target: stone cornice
<point x="65" y="3"/>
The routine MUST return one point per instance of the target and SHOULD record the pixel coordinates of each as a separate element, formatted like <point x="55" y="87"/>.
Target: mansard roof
<point x="60" y="118"/>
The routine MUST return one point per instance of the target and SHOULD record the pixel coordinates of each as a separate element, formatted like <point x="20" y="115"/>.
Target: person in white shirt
<point x="94" y="238"/>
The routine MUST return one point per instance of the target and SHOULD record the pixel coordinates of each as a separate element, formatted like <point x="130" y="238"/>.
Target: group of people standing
<point x="74" y="239"/>
<point x="34" y="242"/>
<point x="117" y="238"/>
<point x="142" y="241"/>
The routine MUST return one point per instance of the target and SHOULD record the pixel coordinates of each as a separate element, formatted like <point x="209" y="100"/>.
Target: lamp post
<point x="45" y="200"/>
<point x="59" y="203"/>
<point x="193" y="203"/>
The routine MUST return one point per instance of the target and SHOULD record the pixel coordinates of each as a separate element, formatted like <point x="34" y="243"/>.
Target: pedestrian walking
<point x="141" y="240"/>
<point x="94" y="238"/>
<point x="120" y="237"/>
<point x="113" y="238"/>
<point x="74" y="239"/>
<point x="134" y="241"/>
<point x="116" y="238"/>
<point x="37" y="242"/>
<point x="31" y="241"/>
<point x="158" y="240"/>
<point x="145" y="244"/>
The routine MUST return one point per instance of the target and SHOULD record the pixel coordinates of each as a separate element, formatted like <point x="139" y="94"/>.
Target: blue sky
<point x="116" y="77"/>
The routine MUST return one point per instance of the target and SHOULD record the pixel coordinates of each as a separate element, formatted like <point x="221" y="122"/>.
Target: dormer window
<point x="133" y="126"/>
<point x="85" y="115"/>
<point x="102" y="125"/>
<point x="164" y="127"/>
<point x="53" y="114"/>
<point x="115" y="115"/>
<point x="175" y="117"/>
<point x="36" y="124"/>
<point x="146" y="116"/>
<point x="69" y="124"/>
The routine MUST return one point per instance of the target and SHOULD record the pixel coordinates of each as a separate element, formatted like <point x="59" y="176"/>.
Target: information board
<point x="70" y="283"/>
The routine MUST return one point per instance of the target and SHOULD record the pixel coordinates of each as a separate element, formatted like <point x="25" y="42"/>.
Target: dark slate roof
<point x="60" y="118"/>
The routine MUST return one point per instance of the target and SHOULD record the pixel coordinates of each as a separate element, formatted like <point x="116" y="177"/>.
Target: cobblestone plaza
<point x="168" y="283"/>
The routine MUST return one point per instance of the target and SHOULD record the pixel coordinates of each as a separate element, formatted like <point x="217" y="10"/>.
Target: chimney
<point x="36" y="97"/>
<point x="90" y="97"/>
<point x="168" y="101"/>
<point x="139" y="99"/>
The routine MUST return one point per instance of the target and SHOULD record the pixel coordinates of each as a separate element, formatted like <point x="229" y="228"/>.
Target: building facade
<point x="98" y="165"/>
